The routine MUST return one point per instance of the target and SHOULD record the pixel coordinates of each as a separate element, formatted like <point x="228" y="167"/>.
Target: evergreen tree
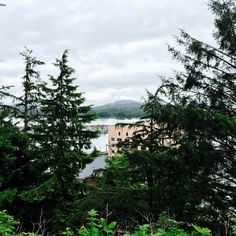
<point x="193" y="171"/>
<point x="19" y="168"/>
<point x="6" y="155"/>
<point x="206" y="93"/>
<point x="27" y="109"/>
<point x="199" y="106"/>
<point x="62" y="139"/>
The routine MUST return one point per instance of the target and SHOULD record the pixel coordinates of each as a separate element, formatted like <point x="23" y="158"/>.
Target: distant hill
<point x="119" y="109"/>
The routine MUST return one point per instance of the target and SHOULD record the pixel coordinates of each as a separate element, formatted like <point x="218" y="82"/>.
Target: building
<point x="117" y="134"/>
<point x="123" y="132"/>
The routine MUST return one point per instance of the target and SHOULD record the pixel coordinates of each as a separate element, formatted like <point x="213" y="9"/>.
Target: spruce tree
<point x="62" y="140"/>
<point x="7" y="194"/>
<point x="194" y="174"/>
<point x="199" y="105"/>
<point x="15" y="165"/>
<point x="19" y="167"/>
<point x="27" y="107"/>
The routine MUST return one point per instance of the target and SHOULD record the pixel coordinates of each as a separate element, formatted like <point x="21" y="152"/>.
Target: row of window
<point x="127" y="134"/>
<point x="118" y="139"/>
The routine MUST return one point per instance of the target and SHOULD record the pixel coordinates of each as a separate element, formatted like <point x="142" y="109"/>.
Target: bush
<point x="8" y="226"/>
<point x="98" y="226"/>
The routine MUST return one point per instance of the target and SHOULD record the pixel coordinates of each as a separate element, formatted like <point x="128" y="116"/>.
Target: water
<point x="112" y="121"/>
<point x="101" y="144"/>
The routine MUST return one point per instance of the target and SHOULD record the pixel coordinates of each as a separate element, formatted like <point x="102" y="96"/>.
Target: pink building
<point x="121" y="133"/>
<point x="117" y="134"/>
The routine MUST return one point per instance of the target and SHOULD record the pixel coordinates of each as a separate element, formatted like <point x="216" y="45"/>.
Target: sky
<point x="118" y="47"/>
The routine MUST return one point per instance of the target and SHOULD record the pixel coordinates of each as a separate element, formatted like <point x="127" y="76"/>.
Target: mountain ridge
<point x="119" y="109"/>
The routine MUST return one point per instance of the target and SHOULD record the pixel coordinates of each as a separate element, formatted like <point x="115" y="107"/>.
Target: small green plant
<point x="96" y="226"/>
<point x="7" y="224"/>
<point x="166" y="226"/>
<point x="202" y="231"/>
<point x="142" y="230"/>
<point x="234" y="225"/>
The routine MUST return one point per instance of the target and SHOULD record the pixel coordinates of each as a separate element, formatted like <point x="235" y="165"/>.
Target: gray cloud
<point x="117" y="46"/>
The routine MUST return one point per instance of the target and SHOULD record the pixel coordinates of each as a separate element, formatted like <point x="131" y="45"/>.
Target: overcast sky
<point x="118" y="47"/>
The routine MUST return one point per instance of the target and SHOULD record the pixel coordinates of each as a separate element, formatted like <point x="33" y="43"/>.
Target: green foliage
<point x="95" y="226"/>
<point x="166" y="227"/>
<point x="7" y="224"/>
<point x="199" y="113"/>
<point x="62" y="139"/>
<point x="39" y="165"/>
<point x="7" y="196"/>
<point x="234" y="225"/>
<point x="182" y="158"/>
<point x="144" y="230"/>
<point x="202" y="231"/>
<point x="19" y="169"/>
<point x="27" y="107"/>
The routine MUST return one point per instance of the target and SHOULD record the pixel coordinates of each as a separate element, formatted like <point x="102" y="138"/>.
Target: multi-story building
<point x="117" y="134"/>
<point x="123" y="132"/>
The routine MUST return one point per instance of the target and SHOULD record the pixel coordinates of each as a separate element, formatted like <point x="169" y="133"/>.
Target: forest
<point x="175" y="176"/>
<point x="119" y="109"/>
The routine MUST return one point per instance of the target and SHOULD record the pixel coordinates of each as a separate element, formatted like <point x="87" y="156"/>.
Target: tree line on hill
<point x="181" y="162"/>
<point x="120" y="109"/>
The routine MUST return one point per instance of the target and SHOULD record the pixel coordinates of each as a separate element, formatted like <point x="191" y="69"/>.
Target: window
<point x="112" y="139"/>
<point x="119" y="133"/>
<point x="119" y="139"/>
<point x="127" y="134"/>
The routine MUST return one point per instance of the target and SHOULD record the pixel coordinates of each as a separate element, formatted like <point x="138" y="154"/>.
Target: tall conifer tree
<point x="20" y="173"/>
<point x="62" y="139"/>
<point x="194" y="175"/>
<point x="27" y="106"/>
<point x="199" y="105"/>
